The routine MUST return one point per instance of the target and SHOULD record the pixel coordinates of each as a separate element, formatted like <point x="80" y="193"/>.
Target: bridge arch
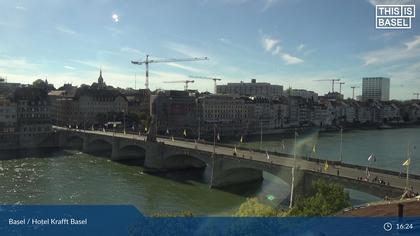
<point x="184" y="160"/>
<point x="132" y="153"/>
<point x="99" y="147"/>
<point x="74" y="142"/>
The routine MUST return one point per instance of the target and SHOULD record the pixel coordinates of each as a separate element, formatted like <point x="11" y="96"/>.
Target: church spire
<point x="100" y="79"/>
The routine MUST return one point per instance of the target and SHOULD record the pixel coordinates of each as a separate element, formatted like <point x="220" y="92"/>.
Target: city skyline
<point x="265" y="40"/>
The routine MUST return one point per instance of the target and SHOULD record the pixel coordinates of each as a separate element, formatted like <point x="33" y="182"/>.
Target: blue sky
<point x="287" y="42"/>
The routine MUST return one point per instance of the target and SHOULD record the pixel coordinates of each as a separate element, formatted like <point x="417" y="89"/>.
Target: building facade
<point x="175" y="111"/>
<point x="375" y="88"/>
<point x="8" y="123"/>
<point x="251" y="89"/>
<point x="33" y="116"/>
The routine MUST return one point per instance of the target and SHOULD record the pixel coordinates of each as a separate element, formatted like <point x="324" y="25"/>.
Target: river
<point x="72" y="177"/>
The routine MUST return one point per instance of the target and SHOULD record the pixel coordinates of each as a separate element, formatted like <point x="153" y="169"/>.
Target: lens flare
<point x="115" y="17"/>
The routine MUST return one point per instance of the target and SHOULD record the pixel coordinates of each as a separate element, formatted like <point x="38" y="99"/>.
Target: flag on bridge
<point x="218" y="137"/>
<point x="283" y="146"/>
<point x="407" y="162"/>
<point x="268" y="156"/>
<point x="167" y="131"/>
<point x="370" y="157"/>
<point x="242" y="139"/>
<point x="172" y="138"/>
<point x="234" y="150"/>
<point x="314" y="148"/>
<point x="326" y="166"/>
<point x="185" y="133"/>
<point x="145" y="129"/>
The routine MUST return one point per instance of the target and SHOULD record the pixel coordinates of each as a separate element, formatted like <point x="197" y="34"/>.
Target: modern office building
<point x="375" y="88"/>
<point x="251" y="89"/>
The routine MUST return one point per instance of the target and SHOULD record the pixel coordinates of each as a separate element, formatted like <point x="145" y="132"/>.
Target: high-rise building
<point x="375" y="88"/>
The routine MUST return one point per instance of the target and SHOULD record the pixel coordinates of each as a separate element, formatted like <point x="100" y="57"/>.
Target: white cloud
<point x="131" y="50"/>
<point x="65" y="30"/>
<point x="185" y="49"/>
<point x="390" y="2"/>
<point x="272" y="45"/>
<point x="268" y="4"/>
<point x="69" y="68"/>
<point x="187" y="68"/>
<point x="290" y="60"/>
<point x="407" y="50"/>
<point x="21" y="8"/>
<point x="301" y="47"/>
<point x="269" y="43"/>
<point x="17" y="63"/>
<point x="276" y="51"/>
<point x="413" y="43"/>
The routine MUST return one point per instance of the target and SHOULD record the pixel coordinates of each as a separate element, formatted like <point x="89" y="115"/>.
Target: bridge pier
<point x="115" y="150"/>
<point x="154" y="156"/>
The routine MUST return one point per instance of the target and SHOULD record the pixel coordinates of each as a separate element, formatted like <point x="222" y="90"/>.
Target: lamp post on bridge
<point x="293" y="172"/>
<point x="124" y="121"/>
<point x="341" y="145"/>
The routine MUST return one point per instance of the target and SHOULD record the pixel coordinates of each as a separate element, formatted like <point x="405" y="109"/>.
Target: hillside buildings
<point x="87" y="106"/>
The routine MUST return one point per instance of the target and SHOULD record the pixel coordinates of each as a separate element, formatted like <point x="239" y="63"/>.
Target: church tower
<point x="101" y="83"/>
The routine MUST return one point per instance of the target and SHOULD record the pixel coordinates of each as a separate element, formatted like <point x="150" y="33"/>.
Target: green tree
<point x="44" y="85"/>
<point x="252" y="208"/>
<point x="326" y="199"/>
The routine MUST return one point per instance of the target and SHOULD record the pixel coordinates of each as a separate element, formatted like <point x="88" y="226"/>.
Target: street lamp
<point x="293" y="172"/>
<point x="124" y="120"/>
<point x="341" y="145"/>
<point x="261" y="134"/>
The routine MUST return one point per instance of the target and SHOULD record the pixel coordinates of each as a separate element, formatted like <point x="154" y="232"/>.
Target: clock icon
<point x="387" y="226"/>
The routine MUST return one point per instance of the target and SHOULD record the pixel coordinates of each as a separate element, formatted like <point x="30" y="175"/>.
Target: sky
<point x="288" y="42"/>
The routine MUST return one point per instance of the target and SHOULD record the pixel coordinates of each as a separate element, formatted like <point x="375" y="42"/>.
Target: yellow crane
<point x="149" y="61"/>
<point x="186" y="82"/>
<point x="211" y="78"/>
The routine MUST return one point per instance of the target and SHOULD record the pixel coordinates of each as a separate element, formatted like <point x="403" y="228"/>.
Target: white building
<point x="375" y="88"/>
<point x="252" y="89"/>
<point x="303" y="93"/>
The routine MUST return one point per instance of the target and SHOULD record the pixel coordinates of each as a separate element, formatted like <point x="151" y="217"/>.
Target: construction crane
<point x="204" y="77"/>
<point x="147" y="62"/>
<point x="417" y="94"/>
<point x="332" y="81"/>
<point x="186" y="82"/>
<point x="353" y="87"/>
<point x="341" y="83"/>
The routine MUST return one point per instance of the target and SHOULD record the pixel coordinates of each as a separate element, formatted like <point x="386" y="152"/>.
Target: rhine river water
<point x="71" y="177"/>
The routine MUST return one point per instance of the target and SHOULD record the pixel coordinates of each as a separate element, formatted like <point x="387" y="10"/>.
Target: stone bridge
<point x="222" y="167"/>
